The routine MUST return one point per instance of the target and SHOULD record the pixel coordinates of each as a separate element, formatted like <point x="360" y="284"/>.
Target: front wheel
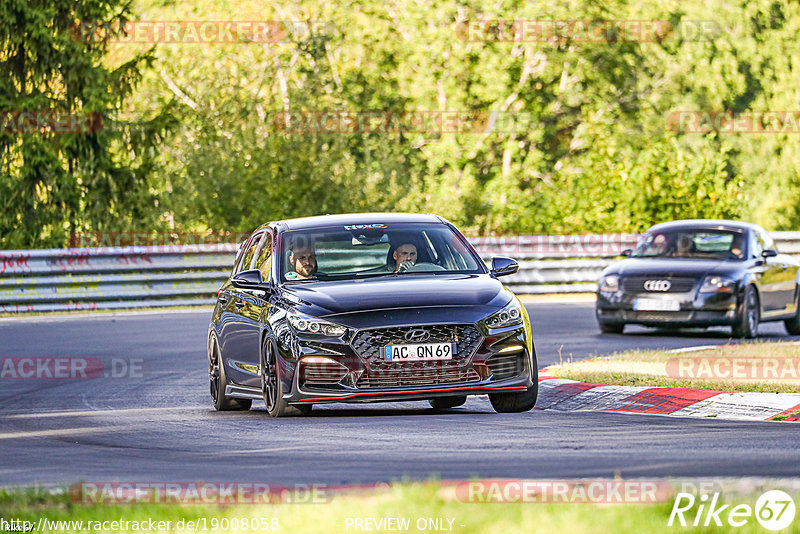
<point x="218" y="383"/>
<point x="746" y="325"/>
<point x="607" y="327"/>
<point x="515" y="402"/>
<point x="272" y="386"/>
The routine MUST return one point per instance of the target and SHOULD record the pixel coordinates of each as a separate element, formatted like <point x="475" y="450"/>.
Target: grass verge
<point x="428" y="507"/>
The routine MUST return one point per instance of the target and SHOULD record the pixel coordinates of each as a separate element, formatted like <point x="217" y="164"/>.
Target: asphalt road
<point x="155" y="422"/>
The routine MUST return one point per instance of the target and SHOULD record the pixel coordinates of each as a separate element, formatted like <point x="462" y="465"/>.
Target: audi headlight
<point x="718" y="284"/>
<point x="311" y="325"/>
<point x="510" y="315"/>
<point x="609" y="283"/>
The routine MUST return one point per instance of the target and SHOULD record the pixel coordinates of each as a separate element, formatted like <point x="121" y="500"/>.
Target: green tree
<point x="54" y="184"/>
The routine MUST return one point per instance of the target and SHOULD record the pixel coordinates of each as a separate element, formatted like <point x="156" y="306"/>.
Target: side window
<point x="756" y="245"/>
<point x="769" y="243"/>
<point x="247" y="258"/>
<point x="264" y="257"/>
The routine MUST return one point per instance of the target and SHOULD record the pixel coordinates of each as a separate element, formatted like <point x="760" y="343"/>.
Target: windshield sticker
<point x="291" y="275"/>
<point x="373" y="226"/>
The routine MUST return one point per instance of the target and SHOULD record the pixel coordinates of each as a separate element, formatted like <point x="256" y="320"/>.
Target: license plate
<point x="656" y="305"/>
<point x="419" y="353"/>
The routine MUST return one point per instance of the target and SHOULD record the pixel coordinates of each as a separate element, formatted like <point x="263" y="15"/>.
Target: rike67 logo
<point x="774" y="510"/>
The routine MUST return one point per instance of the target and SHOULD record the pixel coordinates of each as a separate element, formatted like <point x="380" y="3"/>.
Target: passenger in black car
<point x="303" y="259"/>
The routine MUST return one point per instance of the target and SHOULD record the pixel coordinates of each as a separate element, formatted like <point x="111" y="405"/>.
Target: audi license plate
<point x="656" y="305"/>
<point x="419" y="353"/>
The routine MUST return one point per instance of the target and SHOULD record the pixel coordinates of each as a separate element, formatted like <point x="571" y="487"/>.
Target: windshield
<point x="701" y="244"/>
<point x="372" y="250"/>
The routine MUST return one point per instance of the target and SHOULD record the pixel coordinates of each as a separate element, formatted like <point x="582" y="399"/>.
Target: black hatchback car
<point x="367" y="308"/>
<point x="701" y="273"/>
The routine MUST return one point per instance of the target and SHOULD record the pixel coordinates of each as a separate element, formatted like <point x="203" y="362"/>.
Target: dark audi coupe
<point x="367" y="308"/>
<point x="699" y="273"/>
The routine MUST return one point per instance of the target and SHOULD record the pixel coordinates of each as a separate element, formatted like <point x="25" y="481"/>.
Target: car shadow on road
<point x="337" y="411"/>
<point x="696" y="333"/>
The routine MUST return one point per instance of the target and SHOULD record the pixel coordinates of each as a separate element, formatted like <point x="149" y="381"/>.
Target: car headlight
<point x="311" y="325"/>
<point x="717" y="284"/>
<point x="510" y="315"/>
<point x="609" y="283"/>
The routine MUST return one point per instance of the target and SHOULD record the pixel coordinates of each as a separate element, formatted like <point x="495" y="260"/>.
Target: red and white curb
<point x="569" y="395"/>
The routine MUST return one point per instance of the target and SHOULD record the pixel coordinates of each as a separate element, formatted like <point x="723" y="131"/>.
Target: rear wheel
<point x="611" y="328"/>
<point x="747" y="323"/>
<point x="272" y="386"/>
<point x="218" y="383"/>
<point x="445" y="403"/>
<point x="793" y="325"/>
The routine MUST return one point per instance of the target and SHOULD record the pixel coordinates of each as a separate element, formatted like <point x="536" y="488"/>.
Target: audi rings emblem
<point x="657" y="285"/>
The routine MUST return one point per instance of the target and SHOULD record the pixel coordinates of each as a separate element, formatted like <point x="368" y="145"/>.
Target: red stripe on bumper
<point x="411" y="392"/>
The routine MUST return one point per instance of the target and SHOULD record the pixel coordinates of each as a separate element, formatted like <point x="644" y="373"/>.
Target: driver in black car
<point x="405" y="256"/>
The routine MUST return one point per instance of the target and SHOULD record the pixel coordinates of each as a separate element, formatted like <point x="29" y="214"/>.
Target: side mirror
<point x="504" y="266"/>
<point x="769" y="253"/>
<point x="627" y="252"/>
<point x="249" y="280"/>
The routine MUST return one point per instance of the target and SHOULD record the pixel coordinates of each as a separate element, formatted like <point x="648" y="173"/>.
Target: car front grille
<point x="418" y="374"/>
<point x="659" y="317"/>
<point x="505" y="366"/>
<point x="635" y="284"/>
<point x="369" y="345"/>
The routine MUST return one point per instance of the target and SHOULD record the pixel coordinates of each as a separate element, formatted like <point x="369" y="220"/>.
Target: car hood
<point x="674" y="267"/>
<point x="323" y="299"/>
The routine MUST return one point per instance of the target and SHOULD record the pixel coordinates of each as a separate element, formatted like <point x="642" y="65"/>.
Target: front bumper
<point x="498" y="362"/>
<point x="694" y="309"/>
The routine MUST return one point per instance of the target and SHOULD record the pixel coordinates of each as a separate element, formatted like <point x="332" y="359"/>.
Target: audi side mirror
<point x="627" y="252"/>
<point x="769" y="253"/>
<point x="502" y="266"/>
<point x="249" y="280"/>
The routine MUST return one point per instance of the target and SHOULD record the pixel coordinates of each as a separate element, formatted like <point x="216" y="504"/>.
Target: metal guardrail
<point x="188" y="275"/>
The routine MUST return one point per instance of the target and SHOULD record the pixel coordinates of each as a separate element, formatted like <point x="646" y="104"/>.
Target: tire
<point x="217" y="382"/>
<point x="515" y="402"/>
<point x="445" y="403"/>
<point x="522" y="401"/>
<point x="793" y="325"/>
<point x="746" y="326"/>
<point x="272" y="386"/>
<point x="611" y="328"/>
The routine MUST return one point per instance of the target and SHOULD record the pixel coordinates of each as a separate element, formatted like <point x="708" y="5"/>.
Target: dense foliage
<point x="592" y="150"/>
